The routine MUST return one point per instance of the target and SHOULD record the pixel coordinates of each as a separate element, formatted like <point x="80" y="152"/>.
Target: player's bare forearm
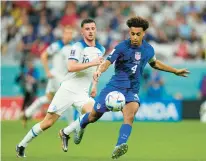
<point x="44" y="60"/>
<point x="104" y="66"/>
<point x="164" y="67"/>
<point x="74" y="66"/>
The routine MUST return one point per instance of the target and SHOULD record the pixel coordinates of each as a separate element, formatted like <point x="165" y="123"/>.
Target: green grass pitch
<point x="149" y="141"/>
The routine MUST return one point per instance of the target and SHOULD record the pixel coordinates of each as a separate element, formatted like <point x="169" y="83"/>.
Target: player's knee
<point x="92" y="119"/>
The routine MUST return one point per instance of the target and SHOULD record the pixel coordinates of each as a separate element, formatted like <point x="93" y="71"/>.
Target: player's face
<point x="67" y="35"/>
<point x="89" y="31"/>
<point x="136" y="35"/>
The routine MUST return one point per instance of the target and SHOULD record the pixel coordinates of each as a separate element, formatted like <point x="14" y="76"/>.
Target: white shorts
<point x="53" y="85"/>
<point x="65" y="99"/>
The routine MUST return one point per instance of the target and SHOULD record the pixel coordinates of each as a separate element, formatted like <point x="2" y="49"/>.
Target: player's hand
<point x="49" y="75"/>
<point x="182" y="72"/>
<point x="93" y="92"/>
<point x="96" y="76"/>
<point x="98" y="61"/>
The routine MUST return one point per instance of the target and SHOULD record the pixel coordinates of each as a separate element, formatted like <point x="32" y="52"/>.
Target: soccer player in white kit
<point x="84" y="58"/>
<point x="58" y="53"/>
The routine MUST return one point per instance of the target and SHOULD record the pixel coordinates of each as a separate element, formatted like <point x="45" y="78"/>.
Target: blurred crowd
<point x="177" y="29"/>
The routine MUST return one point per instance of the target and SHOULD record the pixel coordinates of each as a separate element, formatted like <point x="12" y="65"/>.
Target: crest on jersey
<point x="98" y="106"/>
<point x="137" y="55"/>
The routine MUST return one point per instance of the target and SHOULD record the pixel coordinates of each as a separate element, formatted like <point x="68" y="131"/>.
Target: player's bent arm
<point x="44" y="60"/>
<point x="104" y="66"/>
<point x="157" y="64"/>
<point x="74" y="66"/>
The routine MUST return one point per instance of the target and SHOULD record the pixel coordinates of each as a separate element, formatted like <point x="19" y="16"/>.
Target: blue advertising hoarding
<point x="164" y="110"/>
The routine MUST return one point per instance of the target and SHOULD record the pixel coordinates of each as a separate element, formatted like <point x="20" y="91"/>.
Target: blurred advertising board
<point x="166" y="111"/>
<point x="11" y="108"/>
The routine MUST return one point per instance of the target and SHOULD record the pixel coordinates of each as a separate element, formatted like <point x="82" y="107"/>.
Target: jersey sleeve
<point x="53" y="48"/>
<point x="66" y="50"/>
<point x="114" y="55"/>
<point x="75" y="52"/>
<point x="152" y="56"/>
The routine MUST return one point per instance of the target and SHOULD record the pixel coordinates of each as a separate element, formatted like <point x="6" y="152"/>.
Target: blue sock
<point x="124" y="133"/>
<point x="85" y="120"/>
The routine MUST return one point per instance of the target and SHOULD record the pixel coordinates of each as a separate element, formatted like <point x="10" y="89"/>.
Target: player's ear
<point x="143" y="33"/>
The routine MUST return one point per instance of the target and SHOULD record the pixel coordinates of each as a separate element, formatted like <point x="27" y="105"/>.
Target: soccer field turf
<point x="183" y="141"/>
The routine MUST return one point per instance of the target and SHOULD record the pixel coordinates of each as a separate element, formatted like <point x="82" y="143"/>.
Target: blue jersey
<point x="130" y="62"/>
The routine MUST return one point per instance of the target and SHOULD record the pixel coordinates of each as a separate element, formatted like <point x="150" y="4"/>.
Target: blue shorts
<point x="100" y="106"/>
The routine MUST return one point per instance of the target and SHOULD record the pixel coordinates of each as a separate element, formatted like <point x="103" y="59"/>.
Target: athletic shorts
<point x="64" y="99"/>
<point x="53" y="85"/>
<point x="100" y="106"/>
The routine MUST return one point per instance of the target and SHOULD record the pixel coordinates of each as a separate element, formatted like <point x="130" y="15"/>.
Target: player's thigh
<point x="94" y="115"/>
<point x="82" y="102"/>
<point x="88" y="106"/>
<point x="129" y="112"/>
<point x="63" y="99"/>
<point x="100" y="105"/>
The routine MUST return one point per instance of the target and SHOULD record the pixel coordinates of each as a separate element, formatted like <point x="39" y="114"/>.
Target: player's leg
<point x="48" y="121"/>
<point x="58" y="105"/>
<point x="50" y="91"/>
<point x="129" y="112"/>
<point x="38" y="104"/>
<point x="99" y="108"/>
<point x="91" y="117"/>
<point x="82" y="109"/>
<point x="83" y="104"/>
<point x="27" y="101"/>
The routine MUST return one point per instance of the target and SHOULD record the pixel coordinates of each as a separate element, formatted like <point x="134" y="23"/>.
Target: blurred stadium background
<point x="167" y="126"/>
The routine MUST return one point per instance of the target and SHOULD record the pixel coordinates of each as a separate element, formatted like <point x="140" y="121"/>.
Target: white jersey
<point x="82" y="53"/>
<point x="59" y="56"/>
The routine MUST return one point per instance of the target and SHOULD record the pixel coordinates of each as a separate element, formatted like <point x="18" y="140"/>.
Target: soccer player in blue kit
<point x="130" y="57"/>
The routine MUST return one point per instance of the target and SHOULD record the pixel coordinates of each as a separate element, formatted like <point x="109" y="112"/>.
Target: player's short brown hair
<point x="138" y="22"/>
<point x="88" y="20"/>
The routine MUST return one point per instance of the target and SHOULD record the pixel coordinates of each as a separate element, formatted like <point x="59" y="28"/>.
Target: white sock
<point x="36" y="105"/>
<point x="70" y="115"/>
<point x="34" y="132"/>
<point x="69" y="129"/>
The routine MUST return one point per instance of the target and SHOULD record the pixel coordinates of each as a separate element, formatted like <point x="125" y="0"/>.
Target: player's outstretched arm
<point x="157" y="64"/>
<point x="102" y="68"/>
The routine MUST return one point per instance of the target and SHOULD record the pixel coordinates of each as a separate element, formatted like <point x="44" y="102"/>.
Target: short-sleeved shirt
<point x="58" y="51"/>
<point x="130" y="62"/>
<point x="82" y="53"/>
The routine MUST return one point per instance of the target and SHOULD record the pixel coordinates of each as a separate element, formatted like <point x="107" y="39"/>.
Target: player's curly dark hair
<point x="138" y="22"/>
